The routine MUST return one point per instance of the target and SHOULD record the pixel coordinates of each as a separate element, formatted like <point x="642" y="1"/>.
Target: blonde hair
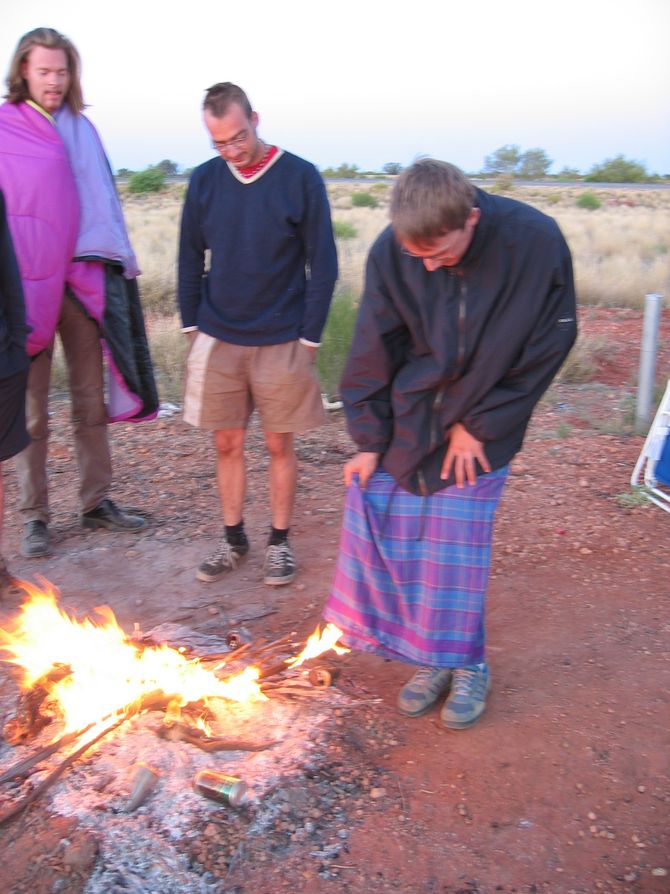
<point x="430" y="198"/>
<point x="17" y="89"/>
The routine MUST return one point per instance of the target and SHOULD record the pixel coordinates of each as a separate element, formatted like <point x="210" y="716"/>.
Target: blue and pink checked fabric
<point x="412" y="572"/>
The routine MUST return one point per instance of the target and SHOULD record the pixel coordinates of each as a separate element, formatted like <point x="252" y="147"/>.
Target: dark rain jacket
<point x="477" y="344"/>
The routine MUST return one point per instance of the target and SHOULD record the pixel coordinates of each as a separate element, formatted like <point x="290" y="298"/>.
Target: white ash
<point x="140" y="850"/>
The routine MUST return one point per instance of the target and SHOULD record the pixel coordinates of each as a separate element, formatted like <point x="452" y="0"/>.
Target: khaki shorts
<point x="225" y="383"/>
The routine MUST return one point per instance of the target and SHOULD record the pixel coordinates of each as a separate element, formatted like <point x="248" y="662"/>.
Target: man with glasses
<point x="254" y="314"/>
<point x="467" y="315"/>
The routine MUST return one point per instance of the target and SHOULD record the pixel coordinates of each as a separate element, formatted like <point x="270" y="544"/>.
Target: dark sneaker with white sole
<point x="225" y="559"/>
<point x="279" y="566"/>
<point x="467" y="697"/>
<point x="108" y="515"/>
<point x="423" y="690"/>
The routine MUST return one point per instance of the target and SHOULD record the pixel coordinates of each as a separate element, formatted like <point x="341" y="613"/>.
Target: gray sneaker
<point x="467" y="699"/>
<point x="35" y="541"/>
<point x="279" y="567"/>
<point x="423" y="690"/>
<point x="225" y="559"/>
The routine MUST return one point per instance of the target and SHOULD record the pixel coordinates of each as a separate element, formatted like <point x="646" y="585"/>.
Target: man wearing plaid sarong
<point x="468" y="313"/>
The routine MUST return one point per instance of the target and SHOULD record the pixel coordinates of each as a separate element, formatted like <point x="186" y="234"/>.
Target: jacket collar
<point x="480" y="236"/>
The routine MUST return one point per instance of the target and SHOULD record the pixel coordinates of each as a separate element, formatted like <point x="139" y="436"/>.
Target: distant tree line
<point x="507" y="162"/>
<point x="534" y="164"/>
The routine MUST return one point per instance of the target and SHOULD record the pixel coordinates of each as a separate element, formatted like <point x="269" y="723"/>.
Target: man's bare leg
<point x="230" y="473"/>
<point x="231" y="479"/>
<point x="283" y="475"/>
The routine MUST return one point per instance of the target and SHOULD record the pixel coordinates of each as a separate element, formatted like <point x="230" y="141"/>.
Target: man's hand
<point x="364" y="464"/>
<point x="463" y="450"/>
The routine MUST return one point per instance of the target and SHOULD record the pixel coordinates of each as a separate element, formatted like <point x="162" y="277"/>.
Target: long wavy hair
<point x="17" y="89"/>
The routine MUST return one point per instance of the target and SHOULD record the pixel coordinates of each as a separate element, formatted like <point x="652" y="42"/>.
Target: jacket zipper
<point x="439" y="396"/>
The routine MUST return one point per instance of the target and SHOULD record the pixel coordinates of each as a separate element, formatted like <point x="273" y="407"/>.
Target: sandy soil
<point x="562" y="787"/>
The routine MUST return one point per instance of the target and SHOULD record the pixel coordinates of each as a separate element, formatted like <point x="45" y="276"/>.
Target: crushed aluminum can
<point x="237" y="638"/>
<point x="145" y="779"/>
<point x="219" y="787"/>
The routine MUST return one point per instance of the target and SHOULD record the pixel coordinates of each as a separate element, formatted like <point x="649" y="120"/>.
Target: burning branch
<point x="182" y="732"/>
<point x="56" y="774"/>
<point x="87" y="674"/>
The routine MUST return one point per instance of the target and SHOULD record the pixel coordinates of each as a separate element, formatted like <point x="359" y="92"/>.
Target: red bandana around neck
<point x="250" y="172"/>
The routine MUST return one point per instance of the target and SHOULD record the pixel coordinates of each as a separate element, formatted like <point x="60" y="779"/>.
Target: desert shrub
<point x="589" y="201"/>
<point x="633" y="499"/>
<point x="364" y="200"/>
<point x="335" y="341"/>
<point x="344" y="172"/>
<point x="344" y="230"/>
<point x="151" y="180"/>
<point x="618" y="170"/>
<point x="503" y="183"/>
<point x="553" y="198"/>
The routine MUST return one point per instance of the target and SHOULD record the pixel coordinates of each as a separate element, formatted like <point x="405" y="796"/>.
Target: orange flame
<point x="108" y="672"/>
<point x="318" y="643"/>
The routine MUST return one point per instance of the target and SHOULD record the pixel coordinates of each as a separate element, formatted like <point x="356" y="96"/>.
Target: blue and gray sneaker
<point x="467" y="698"/>
<point x="423" y="690"/>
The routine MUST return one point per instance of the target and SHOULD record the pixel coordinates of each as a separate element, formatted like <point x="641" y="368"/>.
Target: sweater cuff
<point x="189" y="328"/>
<point x="310" y="344"/>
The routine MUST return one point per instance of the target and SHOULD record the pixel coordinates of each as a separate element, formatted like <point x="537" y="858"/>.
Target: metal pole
<point x="646" y="381"/>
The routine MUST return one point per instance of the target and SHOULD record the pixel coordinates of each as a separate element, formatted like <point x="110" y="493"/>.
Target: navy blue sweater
<point x="273" y="260"/>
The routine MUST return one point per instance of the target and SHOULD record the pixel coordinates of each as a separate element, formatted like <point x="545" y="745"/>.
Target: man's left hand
<point x="463" y="451"/>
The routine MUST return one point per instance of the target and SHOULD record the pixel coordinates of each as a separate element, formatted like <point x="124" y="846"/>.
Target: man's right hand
<point x="363" y="464"/>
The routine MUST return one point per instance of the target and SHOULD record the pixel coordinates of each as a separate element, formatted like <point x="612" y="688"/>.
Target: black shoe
<point x="108" y="515"/>
<point x="279" y="567"/>
<point x="35" y="541"/>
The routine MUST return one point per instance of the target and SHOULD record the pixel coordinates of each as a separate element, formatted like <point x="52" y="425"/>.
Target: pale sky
<point x="368" y="82"/>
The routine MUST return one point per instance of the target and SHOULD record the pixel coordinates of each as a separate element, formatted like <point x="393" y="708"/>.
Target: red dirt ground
<point x="562" y="787"/>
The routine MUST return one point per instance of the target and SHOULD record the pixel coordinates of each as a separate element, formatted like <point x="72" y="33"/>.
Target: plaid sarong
<point x="412" y="571"/>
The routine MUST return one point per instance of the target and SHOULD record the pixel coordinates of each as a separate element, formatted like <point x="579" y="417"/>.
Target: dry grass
<point x="621" y="251"/>
<point x="153" y="223"/>
<point x="583" y="360"/>
<point x="168" y="351"/>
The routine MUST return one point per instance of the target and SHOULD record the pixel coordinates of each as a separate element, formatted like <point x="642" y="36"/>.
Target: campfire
<point x="85" y="679"/>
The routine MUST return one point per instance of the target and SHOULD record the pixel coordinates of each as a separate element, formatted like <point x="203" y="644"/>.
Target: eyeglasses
<point x="239" y="140"/>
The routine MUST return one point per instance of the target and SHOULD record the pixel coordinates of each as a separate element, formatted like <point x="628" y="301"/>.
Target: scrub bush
<point x="588" y="201"/>
<point x="151" y="180"/>
<point x="364" y="200"/>
<point x="344" y="230"/>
